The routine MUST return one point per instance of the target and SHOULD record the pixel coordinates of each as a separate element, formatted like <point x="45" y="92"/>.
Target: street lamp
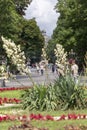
<point x="72" y="54"/>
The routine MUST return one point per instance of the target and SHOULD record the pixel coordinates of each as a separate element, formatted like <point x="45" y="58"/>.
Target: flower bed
<point x="9" y="100"/>
<point x="13" y="88"/>
<point x="41" y="117"/>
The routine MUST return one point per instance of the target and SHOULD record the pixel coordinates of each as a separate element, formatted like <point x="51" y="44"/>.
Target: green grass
<point x="11" y="94"/>
<point x="54" y="125"/>
<point x="7" y="124"/>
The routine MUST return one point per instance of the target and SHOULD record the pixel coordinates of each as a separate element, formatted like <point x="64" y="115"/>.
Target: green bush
<point x="69" y="94"/>
<point x="39" y="98"/>
<point x="63" y="94"/>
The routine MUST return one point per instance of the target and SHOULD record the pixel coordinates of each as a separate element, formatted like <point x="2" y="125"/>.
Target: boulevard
<point x="26" y="81"/>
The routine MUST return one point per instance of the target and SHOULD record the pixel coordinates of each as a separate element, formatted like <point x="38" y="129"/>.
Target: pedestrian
<point x="42" y="69"/>
<point x="74" y="71"/>
<point x="53" y="68"/>
<point x="8" y="72"/>
<point x="37" y="67"/>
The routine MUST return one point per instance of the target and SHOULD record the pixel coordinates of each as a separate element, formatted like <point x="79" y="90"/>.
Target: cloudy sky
<point x="43" y="11"/>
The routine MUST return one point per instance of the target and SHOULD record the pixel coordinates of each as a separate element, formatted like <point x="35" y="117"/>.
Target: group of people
<point x="40" y="68"/>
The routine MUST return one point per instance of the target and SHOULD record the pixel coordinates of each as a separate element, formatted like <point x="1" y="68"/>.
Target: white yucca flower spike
<point x="44" y="55"/>
<point x="15" y="54"/>
<point x="61" y="60"/>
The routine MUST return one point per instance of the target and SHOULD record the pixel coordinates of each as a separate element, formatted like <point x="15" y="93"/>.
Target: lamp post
<point x="72" y="54"/>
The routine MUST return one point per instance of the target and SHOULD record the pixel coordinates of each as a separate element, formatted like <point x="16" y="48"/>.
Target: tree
<point x="21" y="5"/>
<point x="15" y="27"/>
<point x="10" y="21"/>
<point x="50" y="50"/>
<point x="71" y="30"/>
<point x="32" y="40"/>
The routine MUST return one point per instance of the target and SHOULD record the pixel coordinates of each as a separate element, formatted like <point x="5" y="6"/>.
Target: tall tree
<point x="14" y="26"/>
<point x="10" y="21"/>
<point x="32" y="40"/>
<point x="21" y="5"/>
<point x="71" y="30"/>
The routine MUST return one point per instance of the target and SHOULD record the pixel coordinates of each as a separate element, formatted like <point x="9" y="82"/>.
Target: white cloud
<point x="43" y="11"/>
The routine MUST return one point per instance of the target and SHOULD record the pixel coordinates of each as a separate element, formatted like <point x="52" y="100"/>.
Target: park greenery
<point x="52" y="125"/>
<point x="64" y="95"/>
<point x="71" y="29"/>
<point x="23" y="32"/>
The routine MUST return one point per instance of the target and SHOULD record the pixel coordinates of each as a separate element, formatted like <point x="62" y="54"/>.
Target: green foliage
<point x="39" y="98"/>
<point x="69" y="94"/>
<point x="15" y="27"/>
<point x="85" y="59"/>
<point x="50" y="51"/>
<point x="10" y="21"/>
<point x="32" y="39"/>
<point x="21" y="5"/>
<point x="71" y="30"/>
<point x="64" y="94"/>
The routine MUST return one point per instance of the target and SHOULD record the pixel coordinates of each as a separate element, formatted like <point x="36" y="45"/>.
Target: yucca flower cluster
<point x="61" y="59"/>
<point x="44" y="55"/>
<point x="15" y="54"/>
<point x="2" y="70"/>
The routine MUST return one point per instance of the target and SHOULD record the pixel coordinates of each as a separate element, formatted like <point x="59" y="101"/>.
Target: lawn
<point x="11" y="94"/>
<point x="52" y="125"/>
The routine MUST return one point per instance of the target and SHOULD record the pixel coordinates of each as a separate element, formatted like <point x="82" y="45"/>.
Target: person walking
<point x="37" y="67"/>
<point x="53" y="68"/>
<point x="42" y="69"/>
<point x="74" y="71"/>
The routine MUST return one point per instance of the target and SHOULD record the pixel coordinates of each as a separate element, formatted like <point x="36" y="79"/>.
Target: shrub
<point x="63" y="94"/>
<point x="69" y="94"/>
<point x="39" y="98"/>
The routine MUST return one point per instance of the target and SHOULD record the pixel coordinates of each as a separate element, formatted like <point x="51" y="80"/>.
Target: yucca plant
<point x="69" y="94"/>
<point x="39" y="97"/>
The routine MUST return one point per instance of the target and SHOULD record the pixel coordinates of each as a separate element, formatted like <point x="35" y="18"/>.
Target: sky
<point x="43" y="11"/>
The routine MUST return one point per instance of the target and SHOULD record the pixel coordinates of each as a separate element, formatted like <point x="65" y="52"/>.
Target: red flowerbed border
<point x="9" y="100"/>
<point x="41" y="117"/>
<point x="13" y="88"/>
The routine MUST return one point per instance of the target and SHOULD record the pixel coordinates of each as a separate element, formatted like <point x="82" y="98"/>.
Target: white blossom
<point x="15" y="54"/>
<point x="61" y="60"/>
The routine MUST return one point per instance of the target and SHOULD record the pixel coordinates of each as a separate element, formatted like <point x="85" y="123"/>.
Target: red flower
<point x="62" y="117"/>
<point x="72" y="116"/>
<point x="48" y="117"/>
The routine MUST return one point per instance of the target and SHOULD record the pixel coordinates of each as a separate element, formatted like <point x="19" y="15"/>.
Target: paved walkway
<point x="48" y="77"/>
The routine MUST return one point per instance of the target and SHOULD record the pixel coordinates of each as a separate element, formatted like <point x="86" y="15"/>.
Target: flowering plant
<point x="16" y="56"/>
<point x="61" y="60"/>
<point x="41" y="117"/>
<point x="9" y="100"/>
<point x="44" y="55"/>
<point x="2" y="70"/>
<point x="13" y="88"/>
